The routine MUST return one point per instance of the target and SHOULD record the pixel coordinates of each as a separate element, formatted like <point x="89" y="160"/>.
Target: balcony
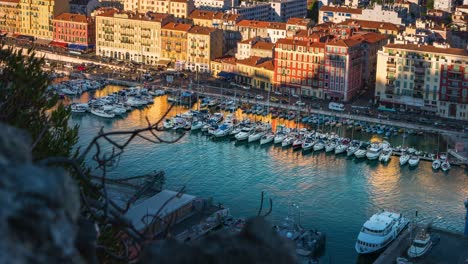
<point x="390" y="78"/>
<point x="418" y="81"/>
<point x="389" y="91"/>
<point x="391" y="63"/>
<point x="391" y="69"/>
<point x="419" y="70"/>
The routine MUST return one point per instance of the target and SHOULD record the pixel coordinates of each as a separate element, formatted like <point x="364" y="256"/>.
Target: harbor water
<point x="333" y="194"/>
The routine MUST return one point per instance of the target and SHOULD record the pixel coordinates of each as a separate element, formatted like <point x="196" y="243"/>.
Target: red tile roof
<point x="371" y="24"/>
<point x="177" y="26"/>
<point x="201" y="30"/>
<point x="268" y="65"/>
<point x="210" y="15"/>
<point x="78" y="18"/>
<point x="263" y="45"/>
<point x="429" y="49"/>
<point x="344" y="42"/>
<point x="341" y="9"/>
<point x="226" y="59"/>
<point x="370" y="37"/>
<point x="251" y="61"/>
<point x="261" y="24"/>
<point x="298" y="21"/>
<point x="303" y="43"/>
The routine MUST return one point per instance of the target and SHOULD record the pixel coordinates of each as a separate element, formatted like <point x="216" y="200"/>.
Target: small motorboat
<point x="341" y="148"/>
<point x="422" y="243"/>
<point x="307" y="145"/>
<point x="168" y="123"/>
<point x="445" y="166"/>
<point x="235" y="131"/>
<point x="244" y="134"/>
<point x="102" y="113"/>
<point x="280" y="136"/>
<point x="436" y="164"/>
<point x="404" y="159"/>
<point x="268" y="138"/>
<point x="79" y="108"/>
<point x="413" y="161"/>
<point x="223" y="130"/>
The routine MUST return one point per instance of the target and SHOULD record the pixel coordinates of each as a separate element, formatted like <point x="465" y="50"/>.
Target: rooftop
<point x="341" y="9"/>
<point x="78" y="18"/>
<point x="251" y="61"/>
<point x="226" y="59"/>
<point x="201" y="30"/>
<point x="210" y="15"/>
<point x="381" y="220"/>
<point x="263" y="45"/>
<point x="344" y="42"/>
<point x="303" y="43"/>
<point x="177" y="26"/>
<point x="261" y="24"/>
<point x="365" y="24"/>
<point x="10" y="1"/>
<point x="148" y="16"/>
<point x="154" y="204"/>
<point x="298" y="21"/>
<point x="370" y="37"/>
<point x="429" y="49"/>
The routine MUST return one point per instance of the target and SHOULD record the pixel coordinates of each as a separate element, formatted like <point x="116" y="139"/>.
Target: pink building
<point x="343" y="69"/>
<point x="75" y="31"/>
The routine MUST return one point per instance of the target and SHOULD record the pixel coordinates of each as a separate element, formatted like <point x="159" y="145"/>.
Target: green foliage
<point x="25" y="103"/>
<point x="313" y="10"/>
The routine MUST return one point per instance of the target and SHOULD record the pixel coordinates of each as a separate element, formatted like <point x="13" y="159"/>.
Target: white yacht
<point x="307" y="144"/>
<point x="379" y="231"/>
<point x="256" y="135"/>
<point x="421" y="244"/>
<point x="354" y="146"/>
<point x="385" y="155"/>
<point x="79" y="108"/>
<point x="341" y="148"/>
<point x="196" y="125"/>
<point x="374" y="151"/>
<point x="288" y="141"/>
<point x="280" y="136"/>
<point x="102" y="113"/>
<point x="235" y="131"/>
<point x="268" y="138"/>
<point x="330" y="146"/>
<point x="319" y="145"/>
<point x="360" y="153"/>
<point x="404" y="158"/>
<point x="413" y="161"/>
<point x="223" y="130"/>
<point x="244" y="134"/>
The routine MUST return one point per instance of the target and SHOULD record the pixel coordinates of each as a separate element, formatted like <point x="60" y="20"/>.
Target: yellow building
<point x="36" y="16"/>
<point x="204" y="44"/>
<point x="223" y="64"/>
<point x="10" y="16"/>
<point x="178" y="8"/>
<point x="174" y="43"/>
<point x="130" y="36"/>
<point x="256" y="72"/>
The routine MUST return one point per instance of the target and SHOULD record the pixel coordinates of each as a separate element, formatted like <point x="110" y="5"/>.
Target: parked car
<point x="300" y="103"/>
<point x="277" y="92"/>
<point x="259" y="97"/>
<point x="274" y="99"/>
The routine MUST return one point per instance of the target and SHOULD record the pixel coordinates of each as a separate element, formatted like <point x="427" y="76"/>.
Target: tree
<point x="26" y="103"/>
<point x="430" y="4"/>
<point x="313" y="10"/>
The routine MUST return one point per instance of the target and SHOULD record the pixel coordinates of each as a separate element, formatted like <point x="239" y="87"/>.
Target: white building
<point x="282" y="10"/>
<point x="356" y="3"/>
<point x="252" y="10"/>
<point x="215" y="5"/>
<point x="338" y="14"/>
<point x="446" y="5"/>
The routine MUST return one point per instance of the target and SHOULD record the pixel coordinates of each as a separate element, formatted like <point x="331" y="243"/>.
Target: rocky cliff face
<point x="39" y="206"/>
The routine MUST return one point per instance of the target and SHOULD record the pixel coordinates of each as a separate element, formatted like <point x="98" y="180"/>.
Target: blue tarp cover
<point x="227" y="75"/>
<point x="77" y="47"/>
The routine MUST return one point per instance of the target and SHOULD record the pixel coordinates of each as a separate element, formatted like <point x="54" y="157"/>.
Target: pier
<point x="452" y="248"/>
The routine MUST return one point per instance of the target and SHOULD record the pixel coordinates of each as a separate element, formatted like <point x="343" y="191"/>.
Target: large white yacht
<point x="379" y="231"/>
<point x="374" y="151"/>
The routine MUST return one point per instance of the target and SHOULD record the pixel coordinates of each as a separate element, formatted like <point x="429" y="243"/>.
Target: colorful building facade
<point x="174" y="43"/>
<point x="75" y="29"/>
<point x="36" y="16"/>
<point x="204" y="44"/>
<point x="424" y="78"/>
<point x="10" y="16"/>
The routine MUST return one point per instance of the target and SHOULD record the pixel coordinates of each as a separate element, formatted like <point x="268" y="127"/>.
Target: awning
<point x="58" y="44"/>
<point x="227" y="75"/>
<point x="163" y="62"/>
<point x="43" y="42"/>
<point x="25" y="37"/>
<point x="77" y="47"/>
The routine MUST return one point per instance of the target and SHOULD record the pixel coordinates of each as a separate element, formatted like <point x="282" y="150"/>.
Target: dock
<point x="452" y="248"/>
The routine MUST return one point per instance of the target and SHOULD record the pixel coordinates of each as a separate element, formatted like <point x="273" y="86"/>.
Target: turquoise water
<point x="335" y="194"/>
